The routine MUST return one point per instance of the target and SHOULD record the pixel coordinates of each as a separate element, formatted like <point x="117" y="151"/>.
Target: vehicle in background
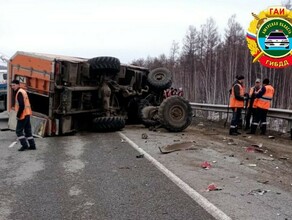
<point x="69" y="94"/>
<point x="3" y="88"/>
<point x="277" y="38"/>
<point x="3" y="82"/>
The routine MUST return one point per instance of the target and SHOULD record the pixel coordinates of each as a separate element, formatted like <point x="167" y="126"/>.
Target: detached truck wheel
<point x="160" y="79"/>
<point x="175" y="113"/>
<point x="105" y="124"/>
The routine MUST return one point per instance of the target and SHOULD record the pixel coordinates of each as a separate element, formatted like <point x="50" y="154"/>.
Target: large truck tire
<point x="106" y="124"/>
<point x="104" y="65"/>
<point x="175" y="113"/>
<point x="150" y="116"/>
<point x="160" y="79"/>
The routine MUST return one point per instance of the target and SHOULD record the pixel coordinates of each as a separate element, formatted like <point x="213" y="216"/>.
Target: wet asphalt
<point x="86" y="176"/>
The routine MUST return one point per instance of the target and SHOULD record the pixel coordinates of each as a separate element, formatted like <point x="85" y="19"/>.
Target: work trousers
<point x="25" y="126"/>
<point x="260" y="119"/>
<point x="236" y="115"/>
<point x="249" y="112"/>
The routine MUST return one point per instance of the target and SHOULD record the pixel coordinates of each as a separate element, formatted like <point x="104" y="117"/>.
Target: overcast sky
<point x="127" y="29"/>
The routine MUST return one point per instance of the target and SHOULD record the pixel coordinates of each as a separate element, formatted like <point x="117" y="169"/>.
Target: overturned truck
<point x="69" y="94"/>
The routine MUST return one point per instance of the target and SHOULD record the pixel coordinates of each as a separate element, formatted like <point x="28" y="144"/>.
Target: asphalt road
<point x="86" y="176"/>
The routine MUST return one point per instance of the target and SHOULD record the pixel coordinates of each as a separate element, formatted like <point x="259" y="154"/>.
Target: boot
<point x="252" y="129"/>
<point x="31" y="144"/>
<point x="23" y="148"/>
<point x="263" y="130"/>
<point x="31" y="148"/>
<point x="232" y="131"/>
<point x="23" y="143"/>
<point x="236" y="131"/>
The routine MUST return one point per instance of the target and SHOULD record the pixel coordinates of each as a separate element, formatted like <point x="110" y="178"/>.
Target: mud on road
<point x="253" y="172"/>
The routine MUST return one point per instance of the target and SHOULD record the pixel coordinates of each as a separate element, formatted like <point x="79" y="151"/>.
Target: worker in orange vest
<point x="263" y="102"/>
<point x="236" y="103"/>
<point x="23" y="113"/>
<point x="251" y="107"/>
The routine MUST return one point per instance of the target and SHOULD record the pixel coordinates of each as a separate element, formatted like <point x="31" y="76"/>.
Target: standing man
<point x="251" y="104"/>
<point x="236" y="103"/>
<point x="23" y="111"/>
<point x="263" y="101"/>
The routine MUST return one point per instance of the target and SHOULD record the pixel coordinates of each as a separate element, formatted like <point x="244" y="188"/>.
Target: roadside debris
<point x="122" y="140"/>
<point x="206" y="165"/>
<point x="124" y="168"/>
<point x="12" y="144"/>
<point x="201" y="124"/>
<point x="271" y="137"/>
<point x="263" y="181"/>
<point x="213" y="187"/>
<point x="258" y="192"/>
<point x="254" y="148"/>
<point x="140" y="156"/>
<point x="4" y="129"/>
<point x="230" y="141"/>
<point x="284" y="158"/>
<point x="252" y="165"/>
<point x="177" y="147"/>
<point x="144" y="136"/>
<point x="266" y="158"/>
<point x="211" y="133"/>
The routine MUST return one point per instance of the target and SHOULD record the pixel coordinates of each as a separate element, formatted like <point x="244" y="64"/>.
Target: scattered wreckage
<point x="69" y="94"/>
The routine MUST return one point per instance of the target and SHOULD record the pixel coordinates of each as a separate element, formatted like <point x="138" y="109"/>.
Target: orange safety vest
<point x="251" y="91"/>
<point x="27" y="108"/>
<point x="265" y="101"/>
<point x="233" y="102"/>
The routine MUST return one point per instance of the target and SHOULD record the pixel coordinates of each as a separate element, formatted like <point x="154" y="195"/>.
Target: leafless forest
<point x="206" y="65"/>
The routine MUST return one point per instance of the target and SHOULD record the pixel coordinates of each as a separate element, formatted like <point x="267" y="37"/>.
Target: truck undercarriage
<point x="97" y="94"/>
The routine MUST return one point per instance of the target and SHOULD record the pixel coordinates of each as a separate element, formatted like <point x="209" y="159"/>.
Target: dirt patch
<point x="271" y="158"/>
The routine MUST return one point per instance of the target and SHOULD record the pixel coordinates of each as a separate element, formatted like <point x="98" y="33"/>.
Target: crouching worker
<point x="236" y="103"/>
<point x="23" y="113"/>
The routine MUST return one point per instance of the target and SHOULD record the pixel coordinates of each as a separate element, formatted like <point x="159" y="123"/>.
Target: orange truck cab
<point x="45" y="76"/>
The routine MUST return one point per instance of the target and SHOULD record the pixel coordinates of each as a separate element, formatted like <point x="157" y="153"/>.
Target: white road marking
<point x="202" y="201"/>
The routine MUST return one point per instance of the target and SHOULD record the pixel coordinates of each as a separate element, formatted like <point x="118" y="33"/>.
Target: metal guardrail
<point x="273" y="112"/>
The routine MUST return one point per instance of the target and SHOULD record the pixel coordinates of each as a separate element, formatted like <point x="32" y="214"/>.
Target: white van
<point x="3" y="77"/>
<point x="3" y="88"/>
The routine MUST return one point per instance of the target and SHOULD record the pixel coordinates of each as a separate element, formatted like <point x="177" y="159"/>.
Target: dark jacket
<point x="20" y="102"/>
<point x="237" y="91"/>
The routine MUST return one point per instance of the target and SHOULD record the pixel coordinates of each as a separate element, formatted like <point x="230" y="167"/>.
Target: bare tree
<point x="208" y="61"/>
<point x="207" y="64"/>
<point x="188" y="61"/>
